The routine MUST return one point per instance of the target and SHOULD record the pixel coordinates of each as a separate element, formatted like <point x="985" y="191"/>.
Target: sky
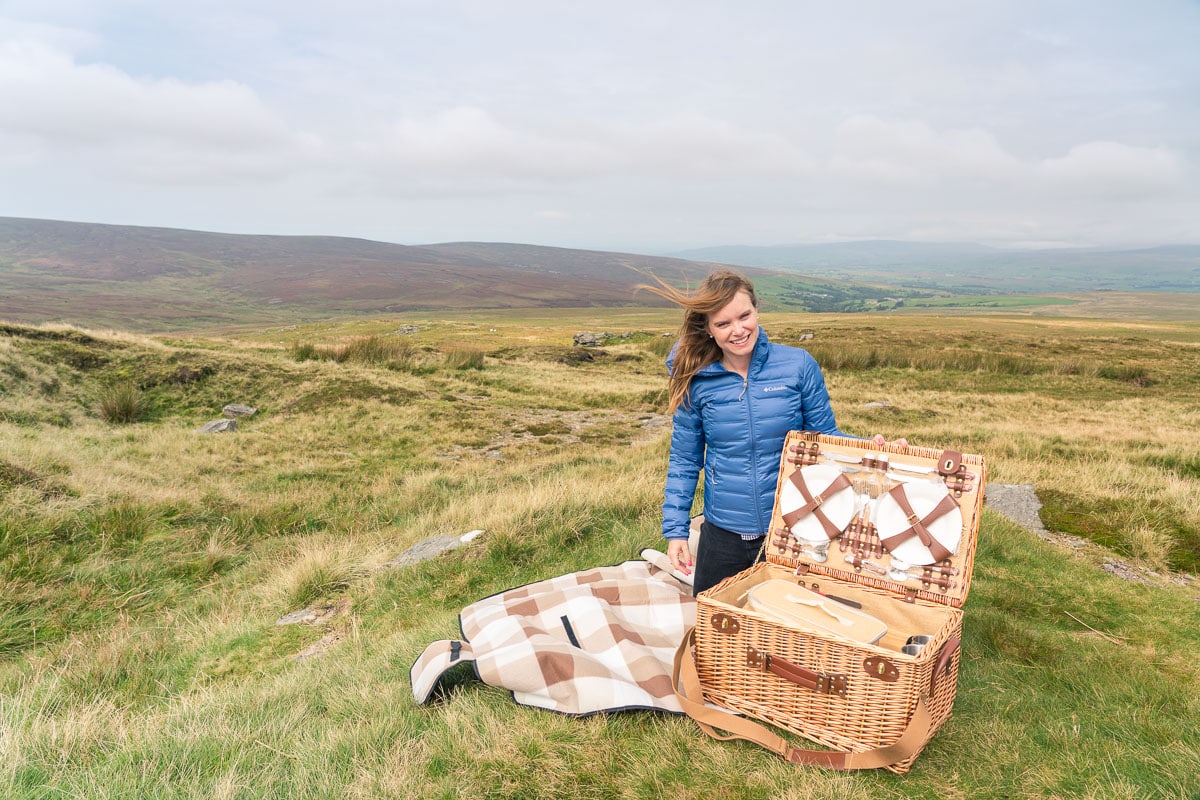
<point x="648" y="126"/>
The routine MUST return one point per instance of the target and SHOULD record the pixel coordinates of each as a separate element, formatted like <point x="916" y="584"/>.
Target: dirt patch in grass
<point x="558" y="428"/>
<point x="348" y="391"/>
<point x="12" y="476"/>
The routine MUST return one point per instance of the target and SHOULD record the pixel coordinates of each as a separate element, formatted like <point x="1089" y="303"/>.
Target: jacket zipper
<point x="753" y="445"/>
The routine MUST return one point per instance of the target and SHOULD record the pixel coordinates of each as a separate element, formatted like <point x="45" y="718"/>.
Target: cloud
<point x="683" y="123"/>
<point x="1114" y="170"/>
<point x="464" y="143"/>
<point x="162" y="129"/>
<point x="910" y="152"/>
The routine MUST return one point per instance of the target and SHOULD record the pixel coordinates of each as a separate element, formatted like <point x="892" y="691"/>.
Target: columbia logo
<point x="774" y="388"/>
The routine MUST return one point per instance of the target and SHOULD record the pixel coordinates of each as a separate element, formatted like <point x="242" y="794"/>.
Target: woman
<point x="734" y="396"/>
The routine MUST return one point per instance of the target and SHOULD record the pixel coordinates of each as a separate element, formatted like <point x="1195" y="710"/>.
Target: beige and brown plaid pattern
<point x="598" y="640"/>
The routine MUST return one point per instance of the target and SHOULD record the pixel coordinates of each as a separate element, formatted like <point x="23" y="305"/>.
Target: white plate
<point x="838" y="507"/>
<point x="923" y="496"/>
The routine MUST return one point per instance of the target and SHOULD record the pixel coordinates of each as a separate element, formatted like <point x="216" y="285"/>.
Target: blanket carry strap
<point x="690" y="695"/>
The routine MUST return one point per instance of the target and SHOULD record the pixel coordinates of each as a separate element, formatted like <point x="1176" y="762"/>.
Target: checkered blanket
<point x="598" y="640"/>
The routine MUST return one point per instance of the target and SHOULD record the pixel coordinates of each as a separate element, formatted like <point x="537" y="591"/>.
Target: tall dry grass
<point x="145" y="566"/>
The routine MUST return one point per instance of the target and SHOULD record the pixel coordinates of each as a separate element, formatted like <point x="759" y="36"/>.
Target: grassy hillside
<point x="144" y="564"/>
<point x="153" y="280"/>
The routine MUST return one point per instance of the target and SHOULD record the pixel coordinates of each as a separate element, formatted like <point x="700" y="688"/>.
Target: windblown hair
<point x="695" y="349"/>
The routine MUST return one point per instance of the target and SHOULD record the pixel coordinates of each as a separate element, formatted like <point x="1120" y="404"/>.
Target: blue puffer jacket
<point x="735" y="429"/>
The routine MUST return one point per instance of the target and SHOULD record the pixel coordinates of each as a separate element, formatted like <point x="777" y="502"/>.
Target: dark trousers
<point x="721" y="553"/>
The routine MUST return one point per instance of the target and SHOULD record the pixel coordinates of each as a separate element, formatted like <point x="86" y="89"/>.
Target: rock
<point x="218" y="426"/>
<point x="589" y="339"/>
<point x="1018" y="502"/>
<point x="425" y="550"/>
<point x="315" y="615"/>
<point x="235" y="410"/>
<point x="430" y="548"/>
<point x="1123" y="570"/>
<point x="879" y="404"/>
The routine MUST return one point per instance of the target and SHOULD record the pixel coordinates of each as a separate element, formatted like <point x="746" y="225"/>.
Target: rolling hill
<point x="161" y="279"/>
<point x="966" y="267"/>
<point x="150" y="278"/>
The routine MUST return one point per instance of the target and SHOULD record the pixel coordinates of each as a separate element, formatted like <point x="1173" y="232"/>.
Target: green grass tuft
<point x="464" y="358"/>
<point x="122" y="404"/>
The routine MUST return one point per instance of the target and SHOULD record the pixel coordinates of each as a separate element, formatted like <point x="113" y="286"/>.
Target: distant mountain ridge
<point x="162" y="279"/>
<point x="150" y="277"/>
<point x="976" y="267"/>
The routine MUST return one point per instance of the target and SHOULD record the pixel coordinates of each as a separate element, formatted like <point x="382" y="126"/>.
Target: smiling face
<point x="735" y="329"/>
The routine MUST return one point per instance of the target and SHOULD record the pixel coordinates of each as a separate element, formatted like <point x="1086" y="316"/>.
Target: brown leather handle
<point x="713" y="720"/>
<point x="943" y="663"/>
<point x="801" y="676"/>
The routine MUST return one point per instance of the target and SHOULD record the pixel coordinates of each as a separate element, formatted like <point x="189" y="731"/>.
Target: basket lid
<point x="903" y="519"/>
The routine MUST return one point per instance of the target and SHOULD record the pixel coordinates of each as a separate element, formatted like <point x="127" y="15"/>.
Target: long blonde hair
<point x="695" y="349"/>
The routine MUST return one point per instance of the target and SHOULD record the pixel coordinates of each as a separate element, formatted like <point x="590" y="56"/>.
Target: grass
<point x="122" y="404"/>
<point x="144" y="566"/>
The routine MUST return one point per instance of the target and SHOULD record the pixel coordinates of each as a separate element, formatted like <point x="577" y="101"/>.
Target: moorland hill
<point x="968" y="267"/>
<point x="164" y="279"/>
<point x="154" y="278"/>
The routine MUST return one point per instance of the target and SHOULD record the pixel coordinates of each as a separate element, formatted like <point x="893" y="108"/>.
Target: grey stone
<point x="425" y="550"/>
<point x="589" y="339"/>
<point x="1123" y="570"/>
<point x="312" y="615"/>
<point x="235" y="410"/>
<point x="296" y="617"/>
<point x="218" y="426"/>
<point x="1018" y="502"/>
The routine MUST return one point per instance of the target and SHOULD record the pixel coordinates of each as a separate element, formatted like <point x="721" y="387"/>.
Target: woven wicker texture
<point x="866" y="693"/>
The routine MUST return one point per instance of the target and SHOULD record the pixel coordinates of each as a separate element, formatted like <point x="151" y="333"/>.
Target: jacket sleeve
<point x="817" y="410"/>
<point x="683" y="470"/>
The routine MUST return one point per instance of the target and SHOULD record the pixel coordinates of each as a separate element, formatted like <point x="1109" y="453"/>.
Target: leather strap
<point x="917" y="524"/>
<point x="812" y="504"/>
<point x="943" y="663"/>
<point x="711" y="720"/>
<point x="818" y="682"/>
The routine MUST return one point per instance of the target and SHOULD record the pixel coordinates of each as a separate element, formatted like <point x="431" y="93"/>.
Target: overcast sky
<point x="647" y="126"/>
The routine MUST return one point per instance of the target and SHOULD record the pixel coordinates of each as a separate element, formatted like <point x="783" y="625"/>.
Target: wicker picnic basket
<point x="855" y="526"/>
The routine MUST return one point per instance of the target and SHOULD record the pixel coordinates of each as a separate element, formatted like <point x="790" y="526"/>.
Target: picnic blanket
<point x="594" y="641"/>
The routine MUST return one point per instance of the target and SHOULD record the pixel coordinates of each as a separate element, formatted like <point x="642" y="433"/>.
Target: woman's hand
<point x="680" y="555"/>
<point x="879" y="440"/>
